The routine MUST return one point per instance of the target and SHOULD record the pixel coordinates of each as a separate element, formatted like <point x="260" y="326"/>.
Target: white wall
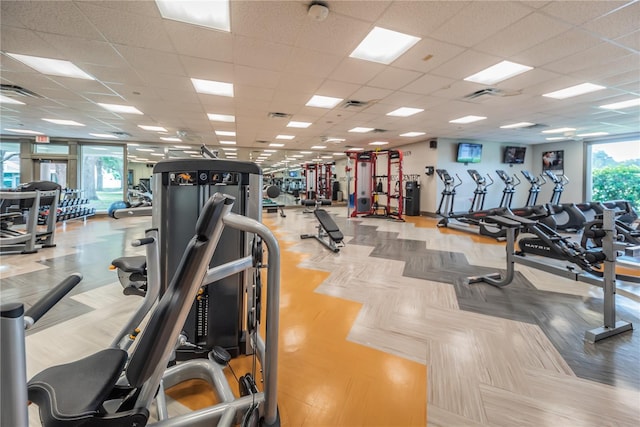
<point x="140" y="170"/>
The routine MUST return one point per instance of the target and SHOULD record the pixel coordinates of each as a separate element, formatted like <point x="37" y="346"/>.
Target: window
<point x="10" y="164"/>
<point x="51" y="149"/>
<point x="102" y="175"/>
<point x="615" y="171"/>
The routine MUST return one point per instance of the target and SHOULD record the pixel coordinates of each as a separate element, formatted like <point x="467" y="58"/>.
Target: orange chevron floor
<point x="325" y="380"/>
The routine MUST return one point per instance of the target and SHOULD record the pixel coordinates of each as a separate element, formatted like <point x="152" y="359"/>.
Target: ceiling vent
<point x="491" y="91"/>
<point x="121" y="134"/>
<point x="352" y="103"/>
<point x="379" y="130"/>
<point x="276" y="115"/>
<point x="16" y="91"/>
<point x="261" y="141"/>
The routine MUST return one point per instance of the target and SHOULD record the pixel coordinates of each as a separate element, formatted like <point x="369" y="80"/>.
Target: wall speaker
<point x="433" y="144"/>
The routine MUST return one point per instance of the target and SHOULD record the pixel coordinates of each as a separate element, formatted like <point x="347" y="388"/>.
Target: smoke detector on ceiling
<point x="318" y="11"/>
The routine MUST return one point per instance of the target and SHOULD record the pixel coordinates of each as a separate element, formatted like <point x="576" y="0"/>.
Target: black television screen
<point x="514" y="155"/>
<point x="469" y="153"/>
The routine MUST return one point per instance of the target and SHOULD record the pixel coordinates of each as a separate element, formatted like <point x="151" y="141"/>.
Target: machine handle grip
<point x="143" y="241"/>
<point x="52" y="297"/>
<point x="517" y="179"/>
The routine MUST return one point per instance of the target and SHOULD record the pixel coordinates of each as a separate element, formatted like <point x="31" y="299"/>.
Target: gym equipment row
<point x="378" y="195"/>
<point x="596" y="267"/>
<point x="31" y="204"/>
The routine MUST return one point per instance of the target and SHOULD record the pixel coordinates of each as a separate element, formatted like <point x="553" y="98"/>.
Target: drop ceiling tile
<point x="111" y="75"/>
<point x="611" y="68"/>
<point x="479" y="20"/>
<point x="256" y="77"/>
<point x="353" y="70"/>
<point x="253" y="92"/>
<point x="368" y="93"/>
<point x="337" y="35"/>
<point x="401" y="98"/>
<point x="394" y="78"/>
<point x="579" y="12"/>
<point x="631" y="40"/>
<point x="617" y="23"/>
<point x="83" y="52"/>
<point x="151" y="60"/>
<point x="465" y="64"/>
<point x="255" y="52"/>
<point x="337" y="89"/>
<point x="556" y="48"/>
<point x="598" y="55"/>
<point x="316" y="64"/>
<point x="199" y="68"/>
<point x="368" y="10"/>
<point x="50" y="17"/>
<point x="420" y="18"/>
<point x="146" y="8"/>
<point x="126" y="28"/>
<point x="26" y="42"/>
<point x="199" y="42"/>
<point x="275" y="21"/>
<point x="523" y="34"/>
<point x="428" y="84"/>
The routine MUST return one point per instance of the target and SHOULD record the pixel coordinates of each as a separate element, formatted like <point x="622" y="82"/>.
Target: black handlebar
<point x="143" y="241"/>
<point x="45" y="303"/>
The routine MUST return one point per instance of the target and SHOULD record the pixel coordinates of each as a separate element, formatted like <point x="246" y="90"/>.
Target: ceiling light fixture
<point x="210" y="14"/>
<point x="517" y="125"/>
<point x="621" y="105"/>
<point x="412" y="134"/>
<point x="225" y="133"/>
<point x="210" y="87"/>
<point x="274" y="144"/>
<point x="153" y="128"/>
<point x="63" y="122"/>
<point x="103" y="135"/>
<point x="228" y="142"/>
<point x="496" y="73"/>
<point x="583" y="135"/>
<point x="405" y="112"/>
<point x="285" y="137"/>
<point x="52" y="67"/>
<point x="572" y="91"/>
<point x="556" y="138"/>
<point x="378" y="143"/>
<point x="559" y="130"/>
<point x="24" y="131"/>
<point x="360" y="130"/>
<point x="323" y="101"/>
<point x="467" y="119"/>
<point x="171" y="139"/>
<point x="293" y="124"/>
<point x="7" y="100"/>
<point x="383" y="46"/>
<point x="120" y="108"/>
<point x="221" y="118"/>
<point x="318" y="147"/>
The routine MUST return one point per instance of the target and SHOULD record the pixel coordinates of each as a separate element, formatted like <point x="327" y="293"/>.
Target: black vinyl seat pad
<point x="329" y="225"/>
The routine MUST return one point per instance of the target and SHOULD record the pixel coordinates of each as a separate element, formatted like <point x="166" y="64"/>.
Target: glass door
<point x="53" y="170"/>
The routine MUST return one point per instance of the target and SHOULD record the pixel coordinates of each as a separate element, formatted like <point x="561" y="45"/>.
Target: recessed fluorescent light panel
<point x="335" y="140"/>
<point x="467" y="119"/>
<point x="7" y="100"/>
<point x="412" y="134"/>
<point x="24" y="131"/>
<point x="52" y="67"/>
<point x="517" y="125"/>
<point x="63" y="122"/>
<point x="623" y="104"/>
<point x="378" y="143"/>
<point x="104" y="135"/>
<point x="583" y="135"/>
<point x="171" y="139"/>
<point x="210" y="14"/>
<point x="360" y="130"/>
<point x="556" y="138"/>
<point x="356" y="149"/>
<point x="148" y="150"/>
<point x="221" y="118"/>
<point x="182" y="147"/>
<point x="285" y="136"/>
<point x="405" y="112"/>
<point x="153" y="128"/>
<point x="120" y="108"/>
<point x="302" y="125"/>
<point x="383" y="46"/>
<point x="499" y="72"/>
<point x="225" y="133"/>
<point x="558" y="130"/>
<point x="210" y="87"/>
<point x="574" y="91"/>
<point x="273" y="144"/>
<point x="228" y="142"/>
<point x="306" y="152"/>
<point x="229" y="149"/>
<point x="323" y="101"/>
<point x="318" y="147"/>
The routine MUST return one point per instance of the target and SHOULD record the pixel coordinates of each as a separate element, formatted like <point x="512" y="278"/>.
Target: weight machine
<point x="318" y="180"/>
<point x="373" y="198"/>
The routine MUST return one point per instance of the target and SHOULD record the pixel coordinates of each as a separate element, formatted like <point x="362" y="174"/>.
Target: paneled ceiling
<point x="278" y="57"/>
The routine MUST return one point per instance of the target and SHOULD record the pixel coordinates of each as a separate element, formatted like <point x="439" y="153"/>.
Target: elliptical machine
<point x="567" y="215"/>
<point x="472" y="221"/>
<point x="536" y="183"/>
<point x="509" y="189"/>
<point x="477" y="204"/>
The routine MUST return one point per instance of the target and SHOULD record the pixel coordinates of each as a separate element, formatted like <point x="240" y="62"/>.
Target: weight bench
<point x="315" y="203"/>
<point x="272" y="207"/>
<point x="328" y="232"/>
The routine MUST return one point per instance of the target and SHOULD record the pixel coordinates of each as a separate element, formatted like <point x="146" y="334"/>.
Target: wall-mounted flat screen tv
<point x="514" y="155"/>
<point x="469" y="153"/>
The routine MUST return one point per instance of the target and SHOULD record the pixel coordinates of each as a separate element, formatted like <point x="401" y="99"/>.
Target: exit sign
<point x="43" y="139"/>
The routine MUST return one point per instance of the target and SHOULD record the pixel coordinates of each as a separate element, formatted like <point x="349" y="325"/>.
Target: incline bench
<point x="328" y="232"/>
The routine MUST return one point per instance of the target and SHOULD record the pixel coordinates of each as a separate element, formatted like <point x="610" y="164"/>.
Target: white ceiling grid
<point x="277" y="57"/>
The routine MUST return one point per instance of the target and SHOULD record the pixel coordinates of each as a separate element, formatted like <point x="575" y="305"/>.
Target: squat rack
<point x="373" y="198"/>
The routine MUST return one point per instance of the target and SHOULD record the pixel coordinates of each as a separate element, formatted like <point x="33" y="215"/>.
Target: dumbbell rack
<point x="73" y="207"/>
